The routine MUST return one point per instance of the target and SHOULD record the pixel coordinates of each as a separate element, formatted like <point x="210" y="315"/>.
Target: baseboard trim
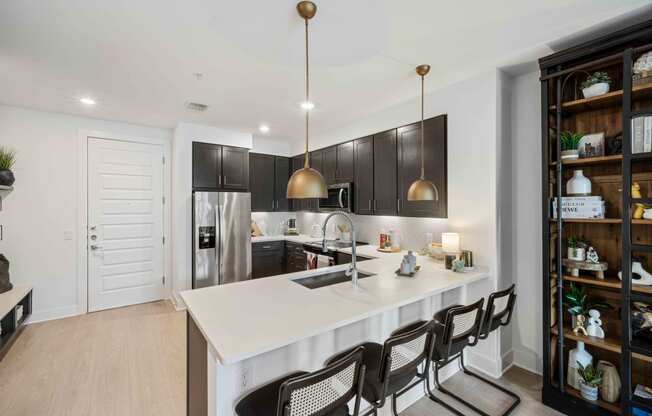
<point x="54" y="313"/>
<point x="177" y="302"/>
<point x="417" y="393"/>
<point x="486" y="365"/>
<point x="527" y="360"/>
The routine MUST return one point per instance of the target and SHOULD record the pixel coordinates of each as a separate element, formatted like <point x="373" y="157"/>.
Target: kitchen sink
<point x="327" y="279"/>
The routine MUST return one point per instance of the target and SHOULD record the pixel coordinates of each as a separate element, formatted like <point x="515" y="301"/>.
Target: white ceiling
<point x="137" y="58"/>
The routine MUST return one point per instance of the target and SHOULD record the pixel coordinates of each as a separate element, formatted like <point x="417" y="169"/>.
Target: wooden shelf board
<point x="609" y="99"/>
<point x="642" y="222"/>
<point x="608" y="344"/>
<point x="590" y="220"/>
<point x="609" y="281"/>
<point x="591" y="160"/>
<point x="612" y="407"/>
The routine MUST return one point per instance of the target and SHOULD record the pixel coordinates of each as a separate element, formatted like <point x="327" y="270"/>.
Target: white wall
<point x="474" y="128"/>
<point x="184" y="135"/>
<point x="41" y="210"/>
<point x="272" y="146"/>
<point x="526" y="206"/>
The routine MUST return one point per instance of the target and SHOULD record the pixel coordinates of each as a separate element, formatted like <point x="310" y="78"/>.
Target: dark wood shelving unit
<point x="618" y="238"/>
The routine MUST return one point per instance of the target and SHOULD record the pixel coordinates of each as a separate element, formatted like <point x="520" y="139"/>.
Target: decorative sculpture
<point x="592" y="256"/>
<point x="595" y="324"/>
<point x="640" y="276"/>
<point x="579" y="325"/>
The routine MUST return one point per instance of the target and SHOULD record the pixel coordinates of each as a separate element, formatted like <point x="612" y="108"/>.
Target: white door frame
<point x="82" y="209"/>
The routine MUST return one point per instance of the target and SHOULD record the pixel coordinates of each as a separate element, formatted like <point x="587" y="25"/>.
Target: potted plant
<point x="577" y="249"/>
<point x="591" y="379"/>
<point x="570" y="143"/>
<point x="577" y="302"/>
<point x="596" y="84"/>
<point x="7" y="159"/>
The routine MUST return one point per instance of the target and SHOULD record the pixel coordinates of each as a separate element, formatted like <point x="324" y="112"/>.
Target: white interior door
<point x="125" y="223"/>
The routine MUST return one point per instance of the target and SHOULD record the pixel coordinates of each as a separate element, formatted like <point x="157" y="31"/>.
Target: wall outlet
<point x="67" y="235"/>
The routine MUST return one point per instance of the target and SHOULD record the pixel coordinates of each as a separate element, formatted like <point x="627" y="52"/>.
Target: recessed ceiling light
<point x="307" y="105"/>
<point x="87" y="101"/>
<point x="264" y="128"/>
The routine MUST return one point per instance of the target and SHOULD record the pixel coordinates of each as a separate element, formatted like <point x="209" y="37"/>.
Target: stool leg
<point x="394" y="411"/>
<point x="434" y="398"/>
<point x="456" y="397"/>
<point x="517" y="399"/>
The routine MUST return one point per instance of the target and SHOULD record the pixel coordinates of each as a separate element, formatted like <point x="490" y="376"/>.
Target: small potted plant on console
<point x="7" y="159"/>
<point x="596" y="84"/>
<point x="591" y="379"/>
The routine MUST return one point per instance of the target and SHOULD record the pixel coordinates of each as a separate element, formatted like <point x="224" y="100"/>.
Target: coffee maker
<point x="292" y="227"/>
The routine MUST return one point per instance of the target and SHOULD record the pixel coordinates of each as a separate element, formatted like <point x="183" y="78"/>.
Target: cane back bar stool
<point x="391" y="368"/>
<point x="455" y="328"/>
<point x="498" y="313"/>
<point x="325" y="392"/>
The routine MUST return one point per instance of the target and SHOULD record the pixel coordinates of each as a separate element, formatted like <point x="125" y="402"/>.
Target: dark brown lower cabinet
<point x="268" y="259"/>
<point x="343" y="258"/>
<point x="295" y="257"/>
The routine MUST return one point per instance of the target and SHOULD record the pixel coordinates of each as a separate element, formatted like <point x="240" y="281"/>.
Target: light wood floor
<point x="131" y="361"/>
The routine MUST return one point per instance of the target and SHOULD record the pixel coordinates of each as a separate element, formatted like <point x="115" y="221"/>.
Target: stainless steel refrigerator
<point x="221" y="225"/>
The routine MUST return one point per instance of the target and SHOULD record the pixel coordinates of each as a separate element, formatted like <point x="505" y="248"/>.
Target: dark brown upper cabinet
<point x="216" y="167"/>
<point x="235" y="168"/>
<point x="409" y="166"/>
<point x="344" y="170"/>
<point x="281" y="176"/>
<point x="206" y="166"/>
<point x="261" y="182"/>
<point x="385" y="200"/>
<point x="363" y="188"/>
<point x="298" y="204"/>
<point x="329" y="165"/>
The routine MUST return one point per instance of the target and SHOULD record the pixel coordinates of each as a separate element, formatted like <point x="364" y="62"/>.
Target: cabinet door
<point x="268" y="259"/>
<point x="317" y="163"/>
<point x="345" y="163"/>
<point x="363" y="186"/>
<point x="261" y="182"/>
<point x="206" y="166"/>
<point x="385" y="165"/>
<point x="235" y="168"/>
<point x="329" y="164"/>
<point x="281" y="177"/>
<point x="409" y="166"/>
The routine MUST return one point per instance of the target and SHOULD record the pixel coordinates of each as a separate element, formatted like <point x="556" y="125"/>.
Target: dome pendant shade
<point x="422" y="190"/>
<point x="306" y="183"/>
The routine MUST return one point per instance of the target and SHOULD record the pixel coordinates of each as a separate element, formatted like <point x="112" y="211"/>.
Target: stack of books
<point x="642" y="134"/>
<point x="580" y="207"/>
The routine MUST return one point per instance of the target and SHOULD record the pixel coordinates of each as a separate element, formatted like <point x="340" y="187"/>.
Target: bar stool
<point x="325" y="392"/>
<point x="392" y="366"/>
<point x="455" y="328"/>
<point x="498" y="313"/>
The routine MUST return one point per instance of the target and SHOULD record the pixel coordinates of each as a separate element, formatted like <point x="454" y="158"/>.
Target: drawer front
<point x="268" y="246"/>
<point x="267" y="264"/>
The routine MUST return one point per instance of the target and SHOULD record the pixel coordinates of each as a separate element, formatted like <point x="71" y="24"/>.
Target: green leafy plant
<point x="577" y="242"/>
<point x="590" y="375"/>
<point x="597" y="78"/>
<point x="578" y="302"/>
<point x="7" y="158"/>
<point x="570" y="141"/>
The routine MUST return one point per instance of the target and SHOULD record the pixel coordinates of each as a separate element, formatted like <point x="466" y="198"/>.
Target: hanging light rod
<point x="422" y="189"/>
<point x="307" y="182"/>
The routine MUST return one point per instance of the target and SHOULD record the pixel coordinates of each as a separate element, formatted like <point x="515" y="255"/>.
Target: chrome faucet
<point x="353" y="271"/>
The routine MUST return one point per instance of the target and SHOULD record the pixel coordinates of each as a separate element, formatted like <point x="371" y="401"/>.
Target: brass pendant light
<point x="306" y="182"/>
<point x="422" y="189"/>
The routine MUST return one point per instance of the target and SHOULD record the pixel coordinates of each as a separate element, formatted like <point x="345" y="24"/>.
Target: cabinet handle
<point x="224" y="179"/>
<point x="398" y="203"/>
<point x="272" y="205"/>
<point x="267" y="247"/>
<point x="370" y="205"/>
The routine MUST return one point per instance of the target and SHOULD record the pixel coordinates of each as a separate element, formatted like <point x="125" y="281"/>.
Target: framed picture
<point x="592" y="145"/>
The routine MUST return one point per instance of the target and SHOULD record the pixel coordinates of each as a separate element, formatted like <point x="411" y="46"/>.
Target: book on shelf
<point x="586" y="207"/>
<point x="642" y="134"/>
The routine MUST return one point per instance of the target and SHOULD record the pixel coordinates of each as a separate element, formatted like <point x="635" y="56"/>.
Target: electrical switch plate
<point x="67" y="235"/>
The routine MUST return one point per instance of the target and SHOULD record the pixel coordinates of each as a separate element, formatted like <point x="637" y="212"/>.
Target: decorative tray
<point x="389" y="250"/>
<point x="416" y="269"/>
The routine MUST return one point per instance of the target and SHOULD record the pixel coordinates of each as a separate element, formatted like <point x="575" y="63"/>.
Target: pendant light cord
<point x="422" y="146"/>
<point x="307" y="163"/>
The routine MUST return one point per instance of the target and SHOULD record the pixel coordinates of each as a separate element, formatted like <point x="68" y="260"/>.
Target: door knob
<point x="95" y="247"/>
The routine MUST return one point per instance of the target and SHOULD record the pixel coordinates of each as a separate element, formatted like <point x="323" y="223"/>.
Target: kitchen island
<point x="244" y="334"/>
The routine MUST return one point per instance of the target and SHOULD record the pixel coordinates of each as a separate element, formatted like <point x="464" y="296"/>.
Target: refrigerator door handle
<point x="218" y="244"/>
<point x="222" y="242"/>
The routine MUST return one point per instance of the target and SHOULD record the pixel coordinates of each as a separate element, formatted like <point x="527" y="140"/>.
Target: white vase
<point x="589" y="393"/>
<point x="596" y="89"/>
<point x="570" y="154"/>
<point x="578" y="354"/>
<point x="578" y="184"/>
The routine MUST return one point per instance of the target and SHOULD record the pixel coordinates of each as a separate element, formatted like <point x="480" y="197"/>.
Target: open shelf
<point x="612" y="407"/>
<point x="608" y="344"/>
<point x="608" y="282"/>
<point x="591" y="160"/>
<point x="642" y="156"/>
<point x="590" y="220"/>
<point x="609" y="99"/>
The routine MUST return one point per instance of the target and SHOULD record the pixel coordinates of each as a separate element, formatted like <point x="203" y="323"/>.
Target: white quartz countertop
<point x="244" y="319"/>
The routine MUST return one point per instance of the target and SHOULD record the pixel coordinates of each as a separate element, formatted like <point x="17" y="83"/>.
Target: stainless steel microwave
<point x="340" y="198"/>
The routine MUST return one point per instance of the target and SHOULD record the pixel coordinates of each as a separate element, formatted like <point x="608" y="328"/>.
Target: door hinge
<point x="163" y="279"/>
<point x="163" y="199"/>
<point x="163" y="240"/>
<point x="164" y="160"/>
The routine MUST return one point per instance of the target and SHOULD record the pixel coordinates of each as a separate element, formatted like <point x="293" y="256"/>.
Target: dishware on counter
<point x="399" y="273"/>
<point x="394" y="239"/>
<point x="451" y="247"/>
<point x="408" y="265"/>
<point x="458" y="266"/>
<point x="389" y="250"/>
<point x="437" y="252"/>
<point x="467" y="256"/>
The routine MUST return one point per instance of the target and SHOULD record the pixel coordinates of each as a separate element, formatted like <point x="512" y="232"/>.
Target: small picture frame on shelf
<point x="591" y="145"/>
